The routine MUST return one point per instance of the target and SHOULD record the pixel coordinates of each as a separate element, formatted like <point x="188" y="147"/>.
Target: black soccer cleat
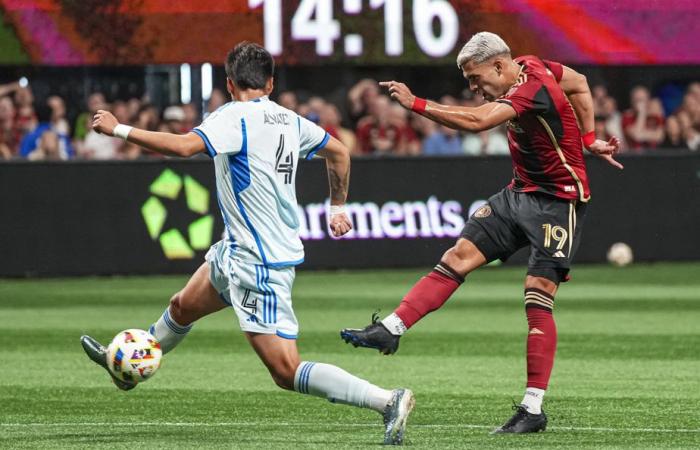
<point x="523" y="422"/>
<point x="98" y="354"/>
<point x="374" y="335"/>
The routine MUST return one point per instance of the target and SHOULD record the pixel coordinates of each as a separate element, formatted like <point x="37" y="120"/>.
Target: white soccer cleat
<point x="396" y="414"/>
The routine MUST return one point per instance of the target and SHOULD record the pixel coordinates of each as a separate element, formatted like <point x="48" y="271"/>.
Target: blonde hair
<point x="482" y="46"/>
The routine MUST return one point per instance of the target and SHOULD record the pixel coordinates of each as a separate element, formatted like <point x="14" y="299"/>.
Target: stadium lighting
<point x="185" y="84"/>
<point x="207" y="81"/>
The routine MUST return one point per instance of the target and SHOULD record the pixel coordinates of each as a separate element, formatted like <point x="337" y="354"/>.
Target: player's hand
<point x="104" y="122"/>
<point x="606" y="150"/>
<point x="340" y="224"/>
<point x="400" y="92"/>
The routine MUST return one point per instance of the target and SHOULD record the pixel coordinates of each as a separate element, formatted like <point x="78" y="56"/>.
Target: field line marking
<point x="346" y="425"/>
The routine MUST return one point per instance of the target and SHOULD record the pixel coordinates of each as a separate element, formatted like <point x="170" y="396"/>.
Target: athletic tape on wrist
<point x="588" y="139"/>
<point x="419" y="104"/>
<point x="337" y="209"/>
<point x="122" y="131"/>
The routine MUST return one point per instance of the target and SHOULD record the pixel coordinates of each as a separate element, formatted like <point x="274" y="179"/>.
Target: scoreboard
<point x="434" y="26"/>
<point x="349" y="32"/>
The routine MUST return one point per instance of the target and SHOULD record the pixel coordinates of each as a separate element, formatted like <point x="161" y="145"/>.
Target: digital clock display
<point x="360" y="29"/>
<point x="352" y="32"/>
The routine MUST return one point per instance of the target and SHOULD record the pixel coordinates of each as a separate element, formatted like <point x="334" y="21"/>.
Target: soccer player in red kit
<point x="549" y="113"/>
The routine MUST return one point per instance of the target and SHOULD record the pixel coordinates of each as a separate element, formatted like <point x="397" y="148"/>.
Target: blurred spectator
<point x="32" y="141"/>
<point x="95" y="101"/>
<point x="643" y="123"/>
<point x="442" y="141"/>
<point x="48" y="148"/>
<point x="25" y="116"/>
<point x="216" y="101"/>
<point x="600" y="95"/>
<point x="173" y="120"/>
<point x="147" y="117"/>
<point x="9" y="88"/>
<point x="133" y="106"/>
<point x="100" y="146"/>
<point x="690" y="132"/>
<point x="600" y="128"/>
<point x="375" y="133"/>
<point x="408" y="143"/>
<point x="674" y="135"/>
<point x="314" y="107"/>
<point x="613" y="120"/>
<point x="191" y="116"/>
<point x="360" y="98"/>
<point x="59" y="123"/>
<point x="120" y="110"/>
<point x="288" y="99"/>
<point x="330" y="121"/>
<point x="10" y="135"/>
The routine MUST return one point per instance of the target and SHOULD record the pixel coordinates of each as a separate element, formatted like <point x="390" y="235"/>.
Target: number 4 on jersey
<point x="284" y="166"/>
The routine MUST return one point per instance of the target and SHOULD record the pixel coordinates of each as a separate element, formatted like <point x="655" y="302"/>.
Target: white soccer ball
<point x="134" y="355"/>
<point x="620" y="254"/>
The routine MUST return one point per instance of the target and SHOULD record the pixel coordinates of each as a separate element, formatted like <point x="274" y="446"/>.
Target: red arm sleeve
<point x="556" y="69"/>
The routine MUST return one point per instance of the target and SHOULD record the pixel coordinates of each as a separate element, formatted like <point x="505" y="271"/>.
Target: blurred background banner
<point x="316" y="32"/>
<point x="153" y="217"/>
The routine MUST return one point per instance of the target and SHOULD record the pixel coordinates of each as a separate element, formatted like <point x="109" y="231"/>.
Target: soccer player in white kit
<point x="255" y="145"/>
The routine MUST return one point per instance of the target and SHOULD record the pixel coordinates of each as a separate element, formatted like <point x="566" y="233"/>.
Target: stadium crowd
<point x="369" y="124"/>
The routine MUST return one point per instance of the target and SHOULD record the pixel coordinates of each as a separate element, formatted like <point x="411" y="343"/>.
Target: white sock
<point x="533" y="400"/>
<point x="394" y="324"/>
<point x="168" y="332"/>
<point x="339" y="386"/>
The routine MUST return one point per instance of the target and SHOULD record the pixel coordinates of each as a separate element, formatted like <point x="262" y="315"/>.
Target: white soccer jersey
<point x="255" y="146"/>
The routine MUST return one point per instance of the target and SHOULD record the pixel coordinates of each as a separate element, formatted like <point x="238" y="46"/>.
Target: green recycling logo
<point x="168" y="185"/>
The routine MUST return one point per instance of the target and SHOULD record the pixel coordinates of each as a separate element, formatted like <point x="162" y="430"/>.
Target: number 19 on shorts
<point x="556" y="233"/>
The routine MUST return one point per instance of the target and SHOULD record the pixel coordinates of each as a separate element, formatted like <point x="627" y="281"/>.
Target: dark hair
<point x="249" y="66"/>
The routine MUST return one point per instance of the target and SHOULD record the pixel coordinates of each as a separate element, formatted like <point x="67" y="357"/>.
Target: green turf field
<point x="627" y="373"/>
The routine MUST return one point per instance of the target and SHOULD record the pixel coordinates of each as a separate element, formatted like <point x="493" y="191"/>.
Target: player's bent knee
<point x="463" y="257"/>
<point x="541" y="283"/>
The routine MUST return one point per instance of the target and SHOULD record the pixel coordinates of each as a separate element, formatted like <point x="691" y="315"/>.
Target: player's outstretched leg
<point x="281" y="358"/>
<point x="197" y="299"/>
<point x="541" y="347"/>
<point x="429" y="294"/>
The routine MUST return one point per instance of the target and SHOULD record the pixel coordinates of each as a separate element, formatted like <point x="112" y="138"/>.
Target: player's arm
<point x="575" y="86"/>
<point x="337" y="157"/>
<point x="183" y="145"/>
<point x="458" y="117"/>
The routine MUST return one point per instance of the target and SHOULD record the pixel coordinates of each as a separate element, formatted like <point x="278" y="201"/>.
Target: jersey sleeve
<point x="222" y="132"/>
<point x="556" y="68"/>
<point x="531" y="96"/>
<point x="312" y="138"/>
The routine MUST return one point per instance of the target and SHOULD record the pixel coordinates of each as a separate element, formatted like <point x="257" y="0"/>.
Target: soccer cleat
<point x="374" y="335"/>
<point x="523" y="422"/>
<point x="98" y="354"/>
<point x="396" y="414"/>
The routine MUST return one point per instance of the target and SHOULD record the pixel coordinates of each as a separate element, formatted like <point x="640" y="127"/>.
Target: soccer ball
<point x="134" y="355"/>
<point x="620" y="254"/>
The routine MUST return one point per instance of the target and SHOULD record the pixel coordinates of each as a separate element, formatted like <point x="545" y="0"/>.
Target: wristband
<point x="419" y="105"/>
<point x="122" y="131"/>
<point x="337" y="209"/>
<point x="588" y="139"/>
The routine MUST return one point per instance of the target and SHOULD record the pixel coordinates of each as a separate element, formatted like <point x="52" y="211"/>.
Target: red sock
<point x="541" y="338"/>
<point x="429" y="294"/>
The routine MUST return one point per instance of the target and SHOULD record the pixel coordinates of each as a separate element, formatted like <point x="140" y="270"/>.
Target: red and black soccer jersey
<point x="544" y="139"/>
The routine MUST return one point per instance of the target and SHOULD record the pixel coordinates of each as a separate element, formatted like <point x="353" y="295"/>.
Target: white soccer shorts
<point x="261" y="296"/>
